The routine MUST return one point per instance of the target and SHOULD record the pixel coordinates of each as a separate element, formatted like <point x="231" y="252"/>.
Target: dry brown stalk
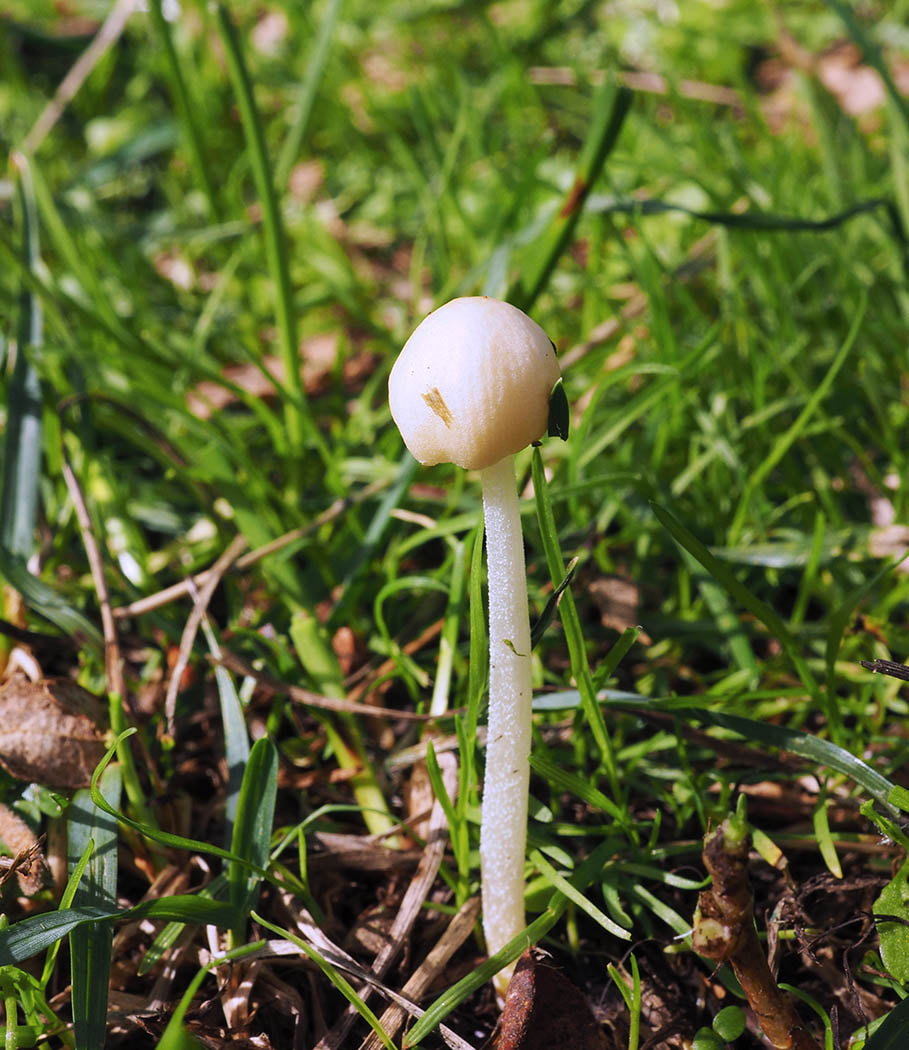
<point x="724" y="930"/>
<point x="108" y="34"/>
<point x="274" y="686"/>
<point x="416" y="894"/>
<point x="201" y="598"/>
<point x="456" y="933"/>
<point x="113" y="661"/>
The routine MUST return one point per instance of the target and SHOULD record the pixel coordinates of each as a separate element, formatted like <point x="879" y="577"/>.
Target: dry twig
<point x="244" y="561"/>
<point x="200" y="604"/>
<point x="413" y="900"/>
<point x="456" y="933"/>
<point x="113" y="661"/>
<point x="110" y="31"/>
<point x="299" y="695"/>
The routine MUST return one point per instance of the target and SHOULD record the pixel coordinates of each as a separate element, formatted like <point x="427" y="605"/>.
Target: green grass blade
<point x="30" y="936"/>
<point x="438" y="788"/>
<point x="448" y="640"/>
<point x="610" y="107"/>
<point x="727" y="623"/>
<point x="587" y="872"/>
<point x="300" y="427"/>
<point x="824" y="837"/>
<point x="552" y="603"/>
<point x="460" y="991"/>
<point x="786" y="440"/>
<point x="236" y="737"/>
<point x="315" y="68"/>
<point x="891" y="1035"/>
<point x="165" y="838"/>
<point x="578" y="784"/>
<point x="805" y="745"/>
<point x="175" y="1036"/>
<point x="251" y="840"/>
<point x="62" y="235"/>
<point x="90" y="945"/>
<point x="559" y="882"/>
<point x="571" y="623"/>
<point x="66" y="310"/>
<point x="615" y="656"/>
<point x="679" y="925"/>
<point x="337" y="979"/>
<point x="314" y="651"/>
<point x="69" y="892"/>
<point x="366" y="547"/>
<point x="47" y="602"/>
<point x="186" y="107"/>
<point x="477" y="664"/>
<point x="171" y="932"/>
<point x="843" y="614"/>
<point x="632" y="997"/>
<point x="748" y="221"/>
<point x="478" y="661"/>
<point x="759" y="608"/>
<point x="22" y="441"/>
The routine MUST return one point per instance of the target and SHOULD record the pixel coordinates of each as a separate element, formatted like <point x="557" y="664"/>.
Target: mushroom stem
<point x="503" y="830"/>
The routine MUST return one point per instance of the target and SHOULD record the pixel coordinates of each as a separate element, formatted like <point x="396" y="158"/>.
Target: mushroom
<point x="472" y="387"/>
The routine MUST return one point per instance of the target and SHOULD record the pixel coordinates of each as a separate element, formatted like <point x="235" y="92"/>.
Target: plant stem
<point x="724" y="931"/>
<point x="503" y="830"/>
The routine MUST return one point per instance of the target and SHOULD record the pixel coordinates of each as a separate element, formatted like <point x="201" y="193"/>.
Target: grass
<point x="208" y="264"/>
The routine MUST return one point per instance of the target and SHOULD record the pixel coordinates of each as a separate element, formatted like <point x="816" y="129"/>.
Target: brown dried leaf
<point x="27" y="861"/>
<point x="319" y="354"/>
<point x="270" y="32"/>
<point x="50" y="731"/>
<point x="617" y="600"/>
<point x="306" y="180"/>
<point x="544" y="1009"/>
<point x="856" y="87"/>
<point x="418" y="799"/>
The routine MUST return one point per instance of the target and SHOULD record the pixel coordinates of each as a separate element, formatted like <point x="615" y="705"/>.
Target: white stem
<point x="503" y="831"/>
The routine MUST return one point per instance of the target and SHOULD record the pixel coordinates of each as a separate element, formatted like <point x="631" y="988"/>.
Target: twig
<point x="387" y="666"/>
<point x="200" y="604"/>
<point x="110" y="31"/>
<point x="303" y="696"/>
<point x="113" y="661"/>
<point x="724" y="930"/>
<point x="642" y="80"/>
<point x="413" y="900"/>
<point x="456" y="933"/>
<point x="337" y="957"/>
<point x="888" y="667"/>
<point x="178" y="590"/>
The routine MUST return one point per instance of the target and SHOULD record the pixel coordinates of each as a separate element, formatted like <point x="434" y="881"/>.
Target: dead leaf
<point x="50" y="731"/>
<point x="306" y="180"/>
<point x="544" y="1009"/>
<point x="175" y="268"/>
<point x="418" y="799"/>
<point x="270" y="32"/>
<point x="27" y="860"/>
<point x="856" y="87"/>
<point x="319" y="354"/>
<point x="617" y="599"/>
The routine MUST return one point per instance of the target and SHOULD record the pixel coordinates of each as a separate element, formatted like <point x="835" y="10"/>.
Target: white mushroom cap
<point x="472" y="384"/>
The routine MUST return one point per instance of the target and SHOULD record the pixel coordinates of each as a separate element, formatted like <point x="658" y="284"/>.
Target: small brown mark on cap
<point x="437" y="403"/>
